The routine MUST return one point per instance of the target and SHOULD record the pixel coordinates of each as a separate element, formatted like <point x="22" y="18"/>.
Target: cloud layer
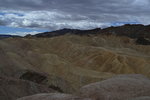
<point x="81" y="14"/>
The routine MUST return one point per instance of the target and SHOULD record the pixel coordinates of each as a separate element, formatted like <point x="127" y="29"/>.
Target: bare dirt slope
<point x="72" y="61"/>
<point x="11" y="89"/>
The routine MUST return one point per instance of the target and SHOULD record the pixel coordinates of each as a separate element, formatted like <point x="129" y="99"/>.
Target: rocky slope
<point x="53" y="96"/>
<point x="68" y="62"/>
<point x="11" y="89"/>
<point x="122" y="87"/>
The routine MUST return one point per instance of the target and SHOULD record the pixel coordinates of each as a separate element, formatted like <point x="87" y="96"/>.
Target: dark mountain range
<point x="8" y="36"/>
<point x="137" y="31"/>
<point x="132" y="31"/>
<point x="68" y="31"/>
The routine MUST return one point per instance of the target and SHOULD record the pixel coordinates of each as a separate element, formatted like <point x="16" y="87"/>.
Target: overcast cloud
<point x="81" y="14"/>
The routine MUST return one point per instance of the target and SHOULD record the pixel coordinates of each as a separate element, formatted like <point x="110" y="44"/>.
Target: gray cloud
<point x="83" y="14"/>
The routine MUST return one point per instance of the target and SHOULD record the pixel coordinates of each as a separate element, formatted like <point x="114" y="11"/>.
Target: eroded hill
<point x="70" y="61"/>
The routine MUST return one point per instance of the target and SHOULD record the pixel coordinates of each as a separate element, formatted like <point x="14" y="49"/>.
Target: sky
<point x="22" y="17"/>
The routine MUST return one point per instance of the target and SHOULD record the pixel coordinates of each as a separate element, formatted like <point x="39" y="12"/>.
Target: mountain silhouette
<point x="136" y="31"/>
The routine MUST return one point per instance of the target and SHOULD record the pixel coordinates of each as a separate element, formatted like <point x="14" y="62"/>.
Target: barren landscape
<point x="68" y="62"/>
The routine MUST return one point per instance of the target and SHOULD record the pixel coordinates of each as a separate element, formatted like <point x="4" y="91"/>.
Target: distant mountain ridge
<point x="130" y="30"/>
<point x="7" y="36"/>
<point x="68" y="31"/>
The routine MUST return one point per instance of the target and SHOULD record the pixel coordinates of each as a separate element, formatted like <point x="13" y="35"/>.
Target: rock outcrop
<point x="143" y="41"/>
<point x="141" y="98"/>
<point x="11" y="89"/>
<point x="53" y="96"/>
<point x="121" y="87"/>
<point x="35" y="77"/>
